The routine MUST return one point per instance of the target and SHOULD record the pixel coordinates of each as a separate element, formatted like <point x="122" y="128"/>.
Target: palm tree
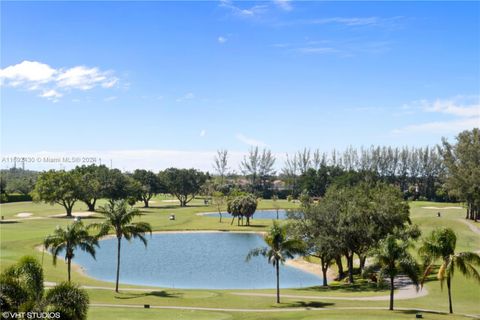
<point x="21" y="285"/>
<point x="119" y="218"/>
<point x="69" y="239"/>
<point x="21" y="289"/>
<point x="393" y="258"/>
<point x="69" y="300"/>
<point x="279" y="249"/>
<point x="440" y="244"/>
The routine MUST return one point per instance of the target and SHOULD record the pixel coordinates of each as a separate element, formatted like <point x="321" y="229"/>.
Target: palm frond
<point x="256" y="252"/>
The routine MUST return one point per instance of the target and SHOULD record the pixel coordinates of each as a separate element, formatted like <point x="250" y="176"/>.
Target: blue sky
<point x="167" y="83"/>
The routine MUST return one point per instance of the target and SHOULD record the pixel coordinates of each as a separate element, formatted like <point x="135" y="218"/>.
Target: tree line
<point x="447" y="172"/>
<point x="87" y="184"/>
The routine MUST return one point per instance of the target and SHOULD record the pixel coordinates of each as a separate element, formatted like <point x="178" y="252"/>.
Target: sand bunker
<point x="169" y="200"/>
<point x="74" y="214"/>
<point x="24" y="215"/>
<point x="442" y="208"/>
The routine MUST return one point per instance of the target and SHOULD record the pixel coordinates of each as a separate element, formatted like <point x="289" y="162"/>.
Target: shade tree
<point x="58" y="187"/>
<point x="148" y="184"/>
<point x="184" y="184"/>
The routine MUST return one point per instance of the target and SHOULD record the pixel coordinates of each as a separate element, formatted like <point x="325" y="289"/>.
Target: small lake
<point x="259" y="214"/>
<point x="192" y="260"/>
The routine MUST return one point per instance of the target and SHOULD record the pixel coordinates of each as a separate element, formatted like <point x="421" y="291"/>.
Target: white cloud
<point x="316" y="50"/>
<point x="464" y="112"/>
<point x="250" y="141"/>
<point x="355" y="21"/>
<point x="459" y="106"/>
<point x="441" y="127"/>
<point x="222" y="39"/>
<point x="187" y="96"/>
<point x="52" y="95"/>
<point x="111" y="98"/>
<point x="246" y="12"/>
<point x="84" y="78"/>
<point x="203" y="132"/>
<point x="54" y="83"/>
<point x="27" y="71"/>
<point x="284" y="4"/>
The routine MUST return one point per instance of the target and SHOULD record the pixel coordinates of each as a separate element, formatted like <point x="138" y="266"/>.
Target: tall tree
<point x="184" y="184"/>
<point x="117" y="185"/>
<point x="462" y="161"/>
<point x="91" y="187"/>
<point x="67" y="240"/>
<point x="149" y="183"/>
<point x="266" y="169"/>
<point x="290" y="171"/>
<point x="440" y="245"/>
<point x="279" y="248"/>
<point x="118" y="218"/>
<point x="59" y="187"/>
<point x="220" y="164"/>
<point x="393" y="258"/>
<point x="250" y="166"/>
<point x="304" y="160"/>
<point x="316" y="225"/>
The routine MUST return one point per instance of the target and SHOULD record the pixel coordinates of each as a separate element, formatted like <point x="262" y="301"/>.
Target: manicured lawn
<point x="22" y="237"/>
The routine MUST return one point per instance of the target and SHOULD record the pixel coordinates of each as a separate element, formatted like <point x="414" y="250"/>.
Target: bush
<point x="15" y="198"/>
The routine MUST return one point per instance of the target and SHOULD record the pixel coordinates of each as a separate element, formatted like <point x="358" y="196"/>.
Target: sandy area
<point x="24" y="215"/>
<point x="74" y="214"/>
<point x="169" y="200"/>
<point x="442" y="208"/>
<point x="309" y="267"/>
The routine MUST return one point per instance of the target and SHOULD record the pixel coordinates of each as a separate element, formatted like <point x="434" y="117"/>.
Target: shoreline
<point x="298" y="263"/>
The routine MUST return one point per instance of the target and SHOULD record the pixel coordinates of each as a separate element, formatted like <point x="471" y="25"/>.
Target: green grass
<point x="21" y="238"/>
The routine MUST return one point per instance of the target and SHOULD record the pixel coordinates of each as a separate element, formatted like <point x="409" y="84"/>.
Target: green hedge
<point x="5" y="198"/>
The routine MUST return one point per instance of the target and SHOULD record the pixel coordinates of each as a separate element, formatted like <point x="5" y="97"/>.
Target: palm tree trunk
<point x="277" y="267"/>
<point x="118" y="263"/>
<point x="69" y="266"/>
<point x="392" y="289"/>
<point x="449" y="295"/>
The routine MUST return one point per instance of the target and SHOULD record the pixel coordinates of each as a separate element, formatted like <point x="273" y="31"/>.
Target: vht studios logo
<point x="30" y="315"/>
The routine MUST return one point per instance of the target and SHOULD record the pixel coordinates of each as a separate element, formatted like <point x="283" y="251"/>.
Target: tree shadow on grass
<point x="413" y="311"/>
<point x="308" y="304"/>
<point x="158" y="294"/>
<point x="356" y="287"/>
<point x="9" y="221"/>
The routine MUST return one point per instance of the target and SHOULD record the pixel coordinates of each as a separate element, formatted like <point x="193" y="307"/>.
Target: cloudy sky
<point x="158" y="84"/>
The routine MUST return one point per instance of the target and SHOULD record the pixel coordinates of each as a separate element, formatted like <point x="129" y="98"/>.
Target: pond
<point x="207" y="260"/>
<point x="259" y="214"/>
